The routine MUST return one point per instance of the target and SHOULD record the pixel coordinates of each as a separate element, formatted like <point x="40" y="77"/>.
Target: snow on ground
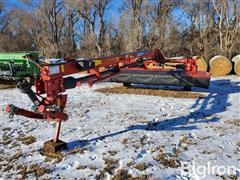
<point x="117" y="136"/>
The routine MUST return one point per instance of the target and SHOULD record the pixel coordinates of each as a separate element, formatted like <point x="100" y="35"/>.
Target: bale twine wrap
<point x="220" y="66"/>
<point x="236" y="60"/>
<point x="201" y="63"/>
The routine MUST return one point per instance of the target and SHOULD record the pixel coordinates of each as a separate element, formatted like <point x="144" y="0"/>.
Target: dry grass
<point x="14" y="145"/>
<point x="190" y="141"/>
<point x="6" y="129"/>
<point x="34" y="168"/>
<point x="141" y="166"/>
<point x="112" y="152"/>
<point x="11" y="161"/>
<point x="58" y="156"/>
<point x="27" y="140"/>
<point x="81" y="167"/>
<point x="238" y="144"/>
<point x="137" y="146"/>
<point x="206" y="152"/>
<point x="92" y="167"/>
<point x="111" y="165"/>
<point x="228" y="177"/>
<point x="131" y="163"/>
<point x="15" y="157"/>
<point x="185" y="141"/>
<point x="238" y="148"/>
<point x="6" y="139"/>
<point x="152" y="92"/>
<point x="78" y="150"/>
<point x="166" y="160"/>
<point x="8" y="167"/>
<point x="123" y="174"/>
<point x="125" y="141"/>
<point x="235" y="122"/>
<point x="204" y="138"/>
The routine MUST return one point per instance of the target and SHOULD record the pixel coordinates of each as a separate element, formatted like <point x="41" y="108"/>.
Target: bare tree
<point x="160" y="17"/>
<point x="72" y="19"/>
<point x="228" y="17"/>
<point x="92" y="13"/>
<point x="65" y="27"/>
<point x="5" y="17"/>
<point x="132" y="9"/>
<point x="49" y="21"/>
<point x="200" y="15"/>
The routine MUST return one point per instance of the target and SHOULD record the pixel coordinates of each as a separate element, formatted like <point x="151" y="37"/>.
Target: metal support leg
<point x="55" y="144"/>
<point x="57" y="131"/>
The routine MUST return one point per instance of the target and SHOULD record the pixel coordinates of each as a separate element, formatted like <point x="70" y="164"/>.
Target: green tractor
<point x="14" y="66"/>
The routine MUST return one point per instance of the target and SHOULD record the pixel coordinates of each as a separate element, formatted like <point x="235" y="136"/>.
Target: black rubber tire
<point x="127" y="84"/>
<point x="187" y="88"/>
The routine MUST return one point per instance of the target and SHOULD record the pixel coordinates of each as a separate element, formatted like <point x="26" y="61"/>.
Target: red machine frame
<point x="53" y="81"/>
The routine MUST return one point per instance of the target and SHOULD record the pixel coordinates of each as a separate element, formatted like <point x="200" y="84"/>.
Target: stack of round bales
<point x="201" y="63"/>
<point x="236" y="60"/>
<point x="220" y="66"/>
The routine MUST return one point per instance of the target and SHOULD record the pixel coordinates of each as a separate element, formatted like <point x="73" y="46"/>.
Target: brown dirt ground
<point x="153" y="92"/>
<point x="4" y="86"/>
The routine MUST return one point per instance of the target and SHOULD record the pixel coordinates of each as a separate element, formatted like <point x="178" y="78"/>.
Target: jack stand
<point x="55" y="145"/>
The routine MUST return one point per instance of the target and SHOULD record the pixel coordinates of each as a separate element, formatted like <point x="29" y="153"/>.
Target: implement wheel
<point x="127" y="84"/>
<point x="187" y="88"/>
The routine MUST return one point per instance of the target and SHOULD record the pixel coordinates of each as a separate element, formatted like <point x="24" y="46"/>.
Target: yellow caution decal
<point x="58" y="103"/>
<point x="97" y="62"/>
<point x="62" y="68"/>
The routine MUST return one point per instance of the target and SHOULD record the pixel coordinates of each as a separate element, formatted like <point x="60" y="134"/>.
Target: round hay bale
<point x="201" y="63"/>
<point x="220" y="66"/>
<point x="235" y="58"/>
<point x="237" y="66"/>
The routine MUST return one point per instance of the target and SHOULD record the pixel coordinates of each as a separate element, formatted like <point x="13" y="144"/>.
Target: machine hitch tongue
<point x="12" y="110"/>
<point x="53" y="145"/>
